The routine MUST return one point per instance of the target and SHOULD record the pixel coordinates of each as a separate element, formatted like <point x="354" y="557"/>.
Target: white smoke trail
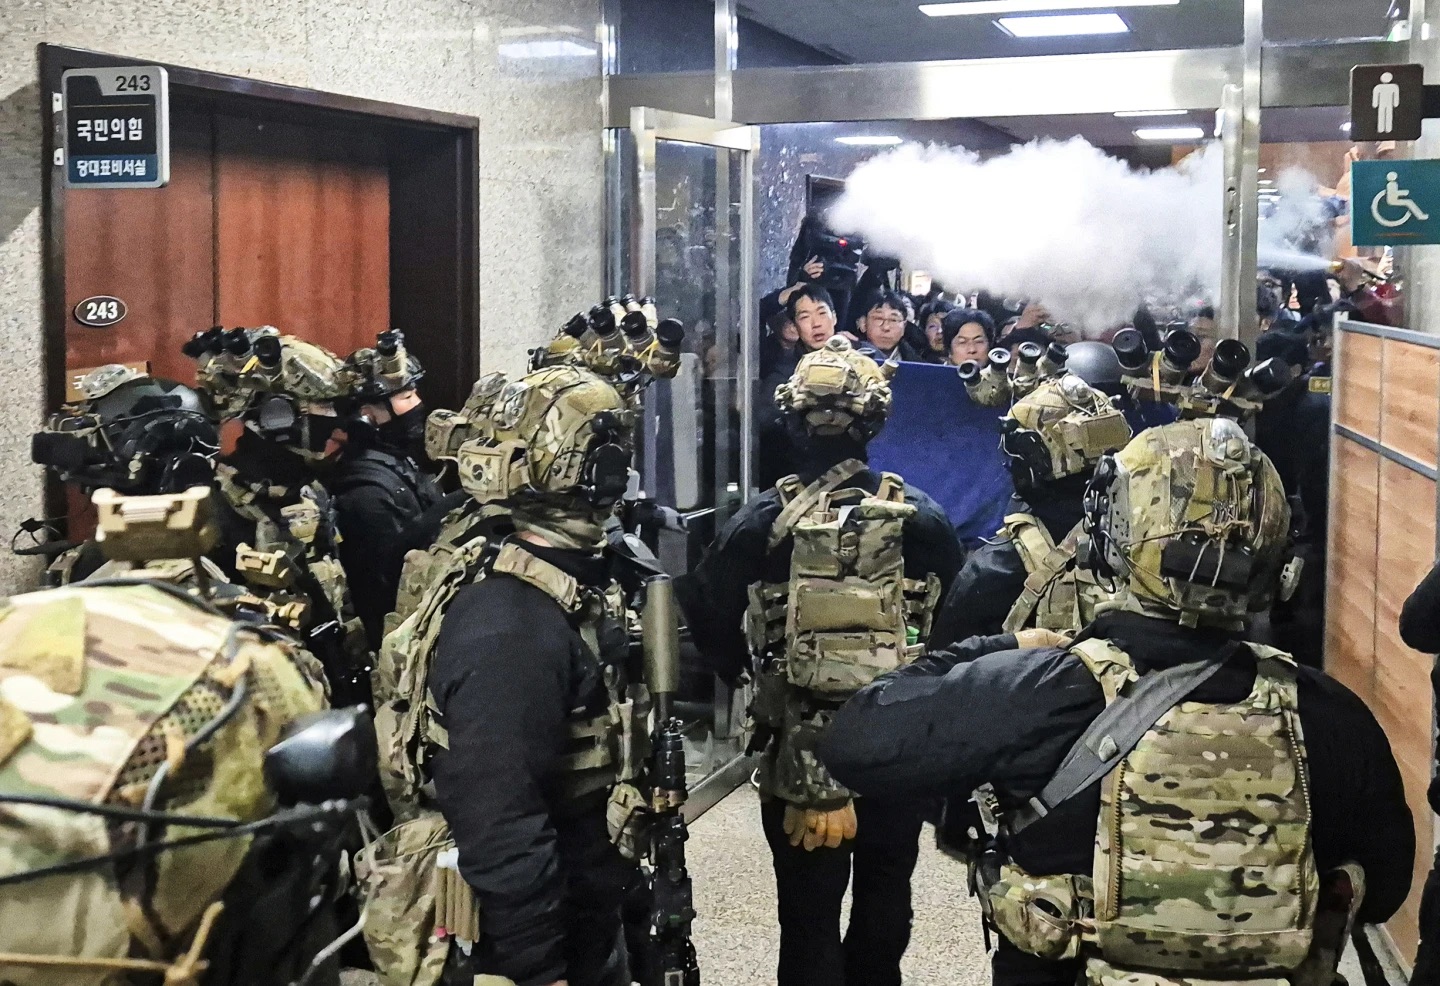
<point x="1059" y="222"/>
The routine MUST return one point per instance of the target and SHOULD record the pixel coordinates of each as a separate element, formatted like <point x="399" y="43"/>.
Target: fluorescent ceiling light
<point x="870" y="140"/>
<point x="1267" y="181"/>
<point x="988" y="7"/>
<point x="544" y="49"/>
<point x="1062" y="25"/>
<point x="1173" y="134"/>
<point x="1128" y="114"/>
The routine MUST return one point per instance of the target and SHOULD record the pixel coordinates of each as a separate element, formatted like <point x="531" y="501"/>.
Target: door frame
<point x="458" y="244"/>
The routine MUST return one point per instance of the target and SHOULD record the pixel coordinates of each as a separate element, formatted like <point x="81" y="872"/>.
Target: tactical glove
<point x="1036" y="637"/>
<point x="817" y="827"/>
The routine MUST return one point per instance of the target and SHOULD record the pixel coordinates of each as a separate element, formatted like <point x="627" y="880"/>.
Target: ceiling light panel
<point x="1171" y="134"/>
<point x="990" y="8"/>
<point x="1062" y="25"/>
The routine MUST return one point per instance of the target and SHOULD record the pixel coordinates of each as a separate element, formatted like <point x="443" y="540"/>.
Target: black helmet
<point x="132" y="433"/>
<point x="389" y="368"/>
<point x="1096" y="364"/>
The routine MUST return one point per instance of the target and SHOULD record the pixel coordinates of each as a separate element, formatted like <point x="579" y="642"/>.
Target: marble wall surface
<point x="541" y="180"/>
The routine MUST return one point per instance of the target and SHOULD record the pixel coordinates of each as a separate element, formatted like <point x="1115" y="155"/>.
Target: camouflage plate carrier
<point x="289" y="551"/>
<point x="100" y="686"/>
<point x="846" y="615"/>
<point x="409" y="876"/>
<point x="1204" y="870"/>
<point x="1059" y="594"/>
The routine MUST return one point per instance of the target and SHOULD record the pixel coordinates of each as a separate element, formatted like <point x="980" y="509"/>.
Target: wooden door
<point x="302" y="231"/>
<point x="154" y="250"/>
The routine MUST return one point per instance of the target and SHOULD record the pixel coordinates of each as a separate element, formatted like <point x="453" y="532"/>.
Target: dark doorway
<point x="329" y="217"/>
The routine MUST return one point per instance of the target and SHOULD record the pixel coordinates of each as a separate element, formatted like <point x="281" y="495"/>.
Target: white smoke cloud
<point x="1059" y="222"/>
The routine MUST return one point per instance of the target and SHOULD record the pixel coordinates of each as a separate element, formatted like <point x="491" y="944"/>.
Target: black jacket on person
<point x="715" y="595"/>
<point x="1293" y="429"/>
<point x="993" y="575"/>
<point x="508" y="672"/>
<point x="380" y="497"/>
<point x="260" y="463"/>
<point x="946" y="725"/>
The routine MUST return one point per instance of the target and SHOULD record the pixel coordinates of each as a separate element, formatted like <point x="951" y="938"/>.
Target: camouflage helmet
<point x="128" y="695"/>
<point x="282" y="387"/>
<point x="837" y="391"/>
<point x="446" y="430"/>
<point x="561" y="433"/>
<point x="389" y="368"/>
<point x="1061" y="428"/>
<point x="1192" y="516"/>
<point x="130" y="432"/>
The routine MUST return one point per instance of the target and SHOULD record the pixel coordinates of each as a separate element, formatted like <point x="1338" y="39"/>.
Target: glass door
<point x="681" y="229"/>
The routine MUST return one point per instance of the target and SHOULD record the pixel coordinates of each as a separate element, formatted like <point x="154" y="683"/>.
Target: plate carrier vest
<point x="1204" y="869"/>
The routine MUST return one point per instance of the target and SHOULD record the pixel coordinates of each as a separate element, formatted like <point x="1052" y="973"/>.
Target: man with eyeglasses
<point x="883" y="326"/>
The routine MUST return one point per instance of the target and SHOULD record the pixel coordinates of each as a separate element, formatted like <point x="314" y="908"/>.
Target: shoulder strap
<point x="1030" y="538"/>
<point x="806" y="501"/>
<point x="1114" y="733"/>
<point x="892" y="488"/>
<point x="1043" y="561"/>
<point x="528" y="567"/>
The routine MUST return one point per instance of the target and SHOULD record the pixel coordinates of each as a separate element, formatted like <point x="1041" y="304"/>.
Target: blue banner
<point x="948" y="446"/>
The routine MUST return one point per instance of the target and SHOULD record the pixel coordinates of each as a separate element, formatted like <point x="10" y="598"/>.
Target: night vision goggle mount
<point x="1230" y="386"/>
<point x="1002" y="380"/>
<point x="622" y="339"/>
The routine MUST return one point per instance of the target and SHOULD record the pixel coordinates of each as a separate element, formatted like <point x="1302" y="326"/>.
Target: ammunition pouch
<point x="415" y="907"/>
<point x="627" y="818"/>
<point x="1049" y="916"/>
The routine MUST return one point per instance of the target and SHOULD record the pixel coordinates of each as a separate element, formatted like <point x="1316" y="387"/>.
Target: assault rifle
<point x="670" y="958"/>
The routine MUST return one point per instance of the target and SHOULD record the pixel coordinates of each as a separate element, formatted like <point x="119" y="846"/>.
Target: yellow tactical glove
<point x="1036" y="637"/>
<point x="817" y="827"/>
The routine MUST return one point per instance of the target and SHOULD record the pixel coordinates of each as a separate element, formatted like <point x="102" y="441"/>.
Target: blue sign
<point x="1395" y="203"/>
<point x="117" y="127"/>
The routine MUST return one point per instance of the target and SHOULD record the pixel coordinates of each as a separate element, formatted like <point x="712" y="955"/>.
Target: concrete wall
<point x="541" y="181"/>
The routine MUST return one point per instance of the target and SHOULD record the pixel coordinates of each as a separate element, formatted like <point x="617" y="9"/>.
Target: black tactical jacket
<point x="993" y="575"/>
<point x="507" y="674"/>
<point x="380" y="497"/>
<point x="949" y="723"/>
<point x="715" y="595"/>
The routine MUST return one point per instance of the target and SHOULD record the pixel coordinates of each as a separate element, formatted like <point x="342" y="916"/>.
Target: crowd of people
<point x="1081" y="699"/>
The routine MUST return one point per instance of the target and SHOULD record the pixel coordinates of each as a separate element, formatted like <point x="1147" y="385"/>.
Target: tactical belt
<point x="1112" y="735"/>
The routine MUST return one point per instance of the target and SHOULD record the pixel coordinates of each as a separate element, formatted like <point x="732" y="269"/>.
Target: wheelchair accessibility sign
<point x="1395" y="202"/>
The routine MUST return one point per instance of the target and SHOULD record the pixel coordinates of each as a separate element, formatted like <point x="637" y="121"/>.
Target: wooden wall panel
<point x="152" y="249"/>
<point x="303" y="231"/>
<point x="1350" y="603"/>
<point x="1410" y="401"/>
<point x="1357" y="384"/>
<point x="1403" y="699"/>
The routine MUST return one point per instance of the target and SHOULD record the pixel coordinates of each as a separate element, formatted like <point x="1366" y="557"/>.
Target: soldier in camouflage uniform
<point x="129" y="432"/>
<point x="826" y="581"/>
<point x="1172" y="805"/>
<point x="509" y="726"/>
<point x="1027" y="577"/>
<point x="146" y="743"/>
<point x="277" y="525"/>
